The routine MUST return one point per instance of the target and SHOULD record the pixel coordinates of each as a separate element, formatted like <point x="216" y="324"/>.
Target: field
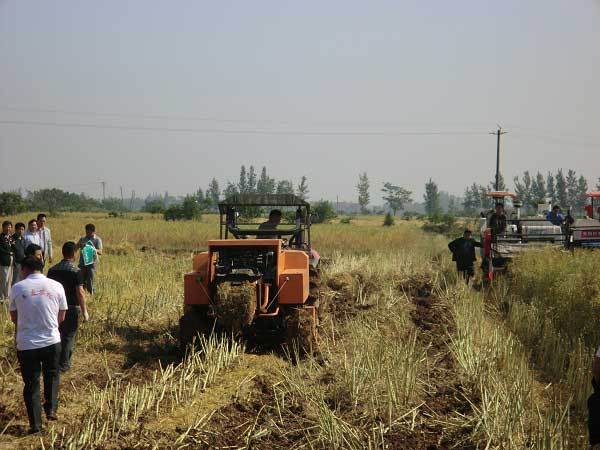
<point x="410" y="357"/>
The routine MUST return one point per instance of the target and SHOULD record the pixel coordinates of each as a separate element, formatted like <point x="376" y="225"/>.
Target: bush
<point x="190" y="209"/>
<point x="388" y="221"/>
<point x="443" y="224"/>
<point x="154" y="207"/>
<point x="323" y="212"/>
<point x="11" y="203"/>
<point x="346" y="220"/>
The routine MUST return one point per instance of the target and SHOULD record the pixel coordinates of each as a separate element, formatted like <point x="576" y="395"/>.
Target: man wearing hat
<point x="463" y="252"/>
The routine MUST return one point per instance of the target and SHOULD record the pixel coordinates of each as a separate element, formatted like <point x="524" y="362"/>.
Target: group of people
<point x="46" y="310"/>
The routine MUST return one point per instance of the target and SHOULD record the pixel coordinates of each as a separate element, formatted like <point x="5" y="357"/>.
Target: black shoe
<point x="51" y="415"/>
<point x="34" y="431"/>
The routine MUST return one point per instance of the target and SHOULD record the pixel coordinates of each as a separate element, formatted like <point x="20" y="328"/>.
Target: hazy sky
<point x="326" y="89"/>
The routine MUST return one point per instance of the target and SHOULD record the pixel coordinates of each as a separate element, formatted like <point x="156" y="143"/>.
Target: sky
<point x="158" y="96"/>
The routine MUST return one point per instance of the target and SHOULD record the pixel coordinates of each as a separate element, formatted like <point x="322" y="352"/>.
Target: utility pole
<point x="498" y="133"/>
<point x="122" y="201"/>
<point x="103" y="190"/>
<point x="132" y="200"/>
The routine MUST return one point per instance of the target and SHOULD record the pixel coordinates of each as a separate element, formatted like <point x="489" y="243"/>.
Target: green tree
<point x="230" y="190"/>
<point x="501" y="183"/>
<point x="243" y="182"/>
<point x="364" y="198"/>
<point x="395" y="197"/>
<point x="213" y="192"/>
<point x="551" y="189"/>
<point x="252" y="180"/>
<point x="486" y="201"/>
<point x="598" y="185"/>
<point x="153" y="206"/>
<point x="388" y="220"/>
<point x="561" y="189"/>
<point x="581" y="198"/>
<point x="302" y="190"/>
<point x="285" y="187"/>
<point x="11" y="203"/>
<point x="265" y="184"/>
<point x="523" y="189"/>
<point x="323" y="212"/>
<point x="571" y="188"/>
<point x="538" y="189"/>
<point x="472" y="199"/>
<point x="432" y="198"/>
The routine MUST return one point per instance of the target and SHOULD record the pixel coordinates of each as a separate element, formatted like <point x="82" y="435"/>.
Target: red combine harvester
<point x="585" y="233"/>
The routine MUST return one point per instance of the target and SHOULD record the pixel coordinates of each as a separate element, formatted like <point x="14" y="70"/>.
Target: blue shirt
<point x="556" y="220"/>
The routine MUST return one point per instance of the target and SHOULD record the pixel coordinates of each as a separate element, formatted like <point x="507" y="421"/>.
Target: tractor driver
<point x="498" y="220"/>
<point x="555" y="217"/>
<point x="271" y="224"/>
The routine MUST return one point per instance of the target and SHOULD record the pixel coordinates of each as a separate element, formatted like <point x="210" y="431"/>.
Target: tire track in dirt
<point x="444" y="396"/>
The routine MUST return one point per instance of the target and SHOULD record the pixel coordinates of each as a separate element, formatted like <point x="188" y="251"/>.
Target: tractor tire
<point x="301" y="330"/>
<point x="193" y="324"/>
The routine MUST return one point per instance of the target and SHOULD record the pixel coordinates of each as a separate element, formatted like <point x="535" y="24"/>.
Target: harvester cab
<point x="256" y="281"/>
<point x="517" y="233"/>
<point x="585" y="232"/>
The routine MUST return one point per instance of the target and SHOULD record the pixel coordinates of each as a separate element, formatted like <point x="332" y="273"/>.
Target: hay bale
<point x="236" y="305"/>
<point x="341" y="282"/>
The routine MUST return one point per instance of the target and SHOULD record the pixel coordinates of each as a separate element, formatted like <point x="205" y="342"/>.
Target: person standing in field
<point x="45" y="237"/>
<point x="7" y="253"/>
<point x="35" y="251"/>
<point x="88" y="268"/>
<point x="37" y="306"/>
<point x="31" y="235"/>
<point x="463" y="252"/>
<point x="69" y="276"/>
<point x="20" y="244"/>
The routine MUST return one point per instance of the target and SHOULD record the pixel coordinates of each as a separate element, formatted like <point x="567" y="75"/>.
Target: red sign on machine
<point x="590" y="234"/>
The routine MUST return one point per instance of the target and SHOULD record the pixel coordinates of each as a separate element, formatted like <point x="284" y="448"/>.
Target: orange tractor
<point x="255" y="281"/>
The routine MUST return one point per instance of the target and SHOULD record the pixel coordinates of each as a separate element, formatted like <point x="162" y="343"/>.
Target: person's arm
<point x="82" y="303"/>
<point x="61" y="315"/>
<point x="99" y="248"/>
<point x="452" y="246"/>
<point x="13" y="317"/>
<point x="596" y="367"/>
<point x="62" y="306"/>
<point x="49" y="244"/>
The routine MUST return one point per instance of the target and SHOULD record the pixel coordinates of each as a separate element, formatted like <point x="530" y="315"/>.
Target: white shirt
<point x="33" y="238"/>
<point x="37" y="301"/>
<point x="45" y="241"/>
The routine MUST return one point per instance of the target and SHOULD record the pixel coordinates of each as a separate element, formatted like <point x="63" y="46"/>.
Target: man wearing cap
<point x="463" y="252"/>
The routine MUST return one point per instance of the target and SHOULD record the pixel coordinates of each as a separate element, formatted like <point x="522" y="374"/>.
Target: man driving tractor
<point x="272" y="223"/>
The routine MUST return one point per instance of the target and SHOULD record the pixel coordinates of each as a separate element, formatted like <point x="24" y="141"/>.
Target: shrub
<point x="346" y="220"/>
<point x="388" y="221"/>
<point x="323" y="212"/>
<point x="11" y="203"/>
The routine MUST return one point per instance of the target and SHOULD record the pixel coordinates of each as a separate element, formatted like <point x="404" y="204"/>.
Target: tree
<point x="486" y="201"/>
<point x="501" y="183"/>
<point x="571" y="187"/>
<point x="362" y="187"/>
<point x="561" y="189"/>
<point x="189" y="209"/>
<point x="388" y="220"/>
<point x="472" y="200"/>
<point x="323" y="212"/>
<point x="243" y="182"/>
<point x="11" y="203"/>
<point x="265" y="184"/>
<point x="598" y="185"/>
<point x="396" y="197"/>
<point x="551" y="188"/>
<point x="251" y="180"/>
<point x="285" y="187"/>
<point x="153" y="206"/>
<point x="432" y="198"/>
<point x="230" y="190"/>
<point x="213" y="192"/>
<point x="538" y="189"/>
<point x="582" y="189"/>
<point x="302" y="190"/>
<point x="523" y="189"/>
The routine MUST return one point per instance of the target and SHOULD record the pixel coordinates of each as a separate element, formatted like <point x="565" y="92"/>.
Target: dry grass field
<point x="410" y="357"/>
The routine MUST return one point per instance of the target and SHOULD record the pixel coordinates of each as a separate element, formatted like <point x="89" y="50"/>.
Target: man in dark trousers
<point x="594" y="404"/>
<point x="37" y="306"/>
<point x="463" y="252"/>
<point x="20" y="244"/>
<point x="69" y="275"/>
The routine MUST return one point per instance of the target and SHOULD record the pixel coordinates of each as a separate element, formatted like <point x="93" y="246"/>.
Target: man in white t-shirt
<point x="37" y="306"/>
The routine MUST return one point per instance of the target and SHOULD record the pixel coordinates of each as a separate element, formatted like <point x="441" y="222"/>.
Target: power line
<point x="242" y="132"/>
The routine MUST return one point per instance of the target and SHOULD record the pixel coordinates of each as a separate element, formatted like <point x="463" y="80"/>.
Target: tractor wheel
<point x="301" y="330"/>
<point x="314" y="295"/>
<point x="192" y="324"/>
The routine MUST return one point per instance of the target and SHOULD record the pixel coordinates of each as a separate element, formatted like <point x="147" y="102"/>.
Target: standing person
<point x="463" y="252"/>
<point x="31" y="235"/>
<point x="89" y="270"/>
<point x="20" y="244"/>
<point x="555" y="217"/>
<point x="498" y="220"/>
<point x="7" y="252"/>
<point x="35" y="251"/>
<point x="37" y="306"/>
<point x="45" y="237"/>
<point x="69" y="276"/>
